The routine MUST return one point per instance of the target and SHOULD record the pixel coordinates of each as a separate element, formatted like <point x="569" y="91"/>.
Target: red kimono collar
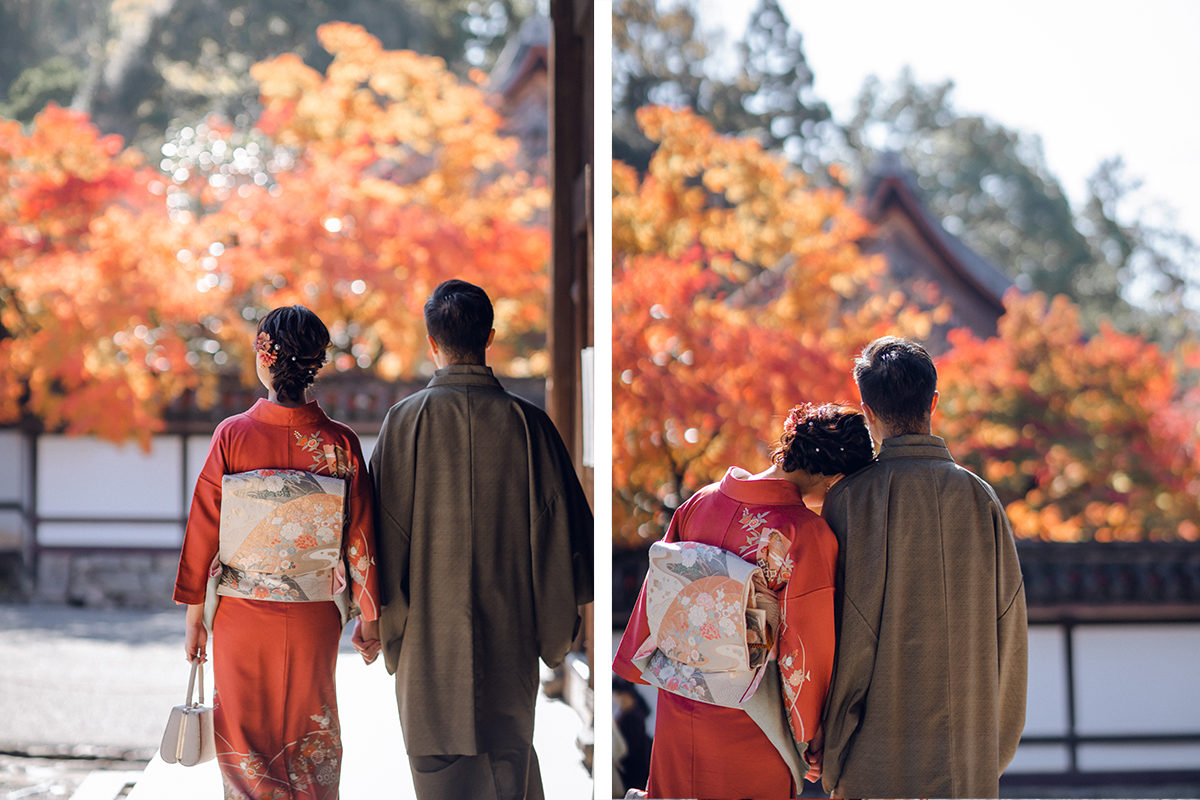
<point x="273" y="414"/>
<point x="737" y="485"/>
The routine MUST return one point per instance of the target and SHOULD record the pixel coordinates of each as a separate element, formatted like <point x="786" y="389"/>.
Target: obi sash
<point x="281" y="536"/>
<point x="713" y="623"/>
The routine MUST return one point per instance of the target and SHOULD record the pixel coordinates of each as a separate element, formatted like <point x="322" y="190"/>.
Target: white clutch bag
<point x="189" y="738"/>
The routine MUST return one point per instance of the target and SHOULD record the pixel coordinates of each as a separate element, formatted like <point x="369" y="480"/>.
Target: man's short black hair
<point x="897" y="379"/>
<point x="458" y="315"/>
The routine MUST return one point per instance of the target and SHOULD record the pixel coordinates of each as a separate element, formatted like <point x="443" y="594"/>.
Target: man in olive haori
<point x="928" y="692"/>
<point x="485" y="553"/>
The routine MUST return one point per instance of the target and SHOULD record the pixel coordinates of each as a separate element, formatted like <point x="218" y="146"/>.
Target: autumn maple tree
<point x="96" y="311"/>
<point x="732" y="278"/>
<point x="1082" y="438"/>
<point x="398" y="180"/>
<point x="360" y="189"/>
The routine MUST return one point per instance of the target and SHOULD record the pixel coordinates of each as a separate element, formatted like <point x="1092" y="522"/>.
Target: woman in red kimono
<point x="712" y="751"/>
<point x="275" y="707"/>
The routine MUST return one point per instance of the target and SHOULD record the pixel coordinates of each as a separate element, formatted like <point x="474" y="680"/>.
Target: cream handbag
<point x="189" y="738"/>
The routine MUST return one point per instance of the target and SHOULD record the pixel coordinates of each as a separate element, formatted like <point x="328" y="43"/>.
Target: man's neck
<point x="890" y="434"/>
<point x="886" y="431"/>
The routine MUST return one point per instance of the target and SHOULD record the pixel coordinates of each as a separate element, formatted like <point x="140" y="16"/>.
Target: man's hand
<point x="195" y="637"/>
<point x="366" y="639"/>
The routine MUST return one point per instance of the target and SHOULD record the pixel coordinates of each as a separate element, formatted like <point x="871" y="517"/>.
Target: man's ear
<point x="491" y="336"/>
<point x="871" y="414"/>
<point x="433" y="345"/>
<point x="933" y="405"/>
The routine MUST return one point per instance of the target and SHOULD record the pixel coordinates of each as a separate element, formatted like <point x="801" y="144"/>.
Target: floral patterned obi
<point x="713" y="623"/>
<point x="281" y="536"/>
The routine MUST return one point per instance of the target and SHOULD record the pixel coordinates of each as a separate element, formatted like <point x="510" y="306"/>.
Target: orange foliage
<point x="399" y="183"/>
<point x="95" y="308"/>
<point x="1083" y="439"/>
<point x="394" y="178"/>
<point x="730" y="282"/>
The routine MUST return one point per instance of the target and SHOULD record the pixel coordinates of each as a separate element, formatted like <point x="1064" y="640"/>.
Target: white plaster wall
<point x="1046" y="697"/>
<point x="85" y="477"/>
<point x="1166" y="756"/>
<point x="368" y="445"/>
<point x="1133" y="679"/>
<point x="197" y="452"/>
<point x="110" y="534"/>
<point x="1040" y="758"/>
<point x="1129" y="679"/>
<point x="13" y="468"/>
<point x="1045" y="702"/>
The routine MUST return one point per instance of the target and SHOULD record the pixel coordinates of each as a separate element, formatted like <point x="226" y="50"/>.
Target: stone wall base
<point x="106" y="579"/>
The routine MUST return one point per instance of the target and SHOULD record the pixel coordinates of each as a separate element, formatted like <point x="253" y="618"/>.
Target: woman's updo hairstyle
<point x="829" y="439"/>
<point x="292" y="342"/>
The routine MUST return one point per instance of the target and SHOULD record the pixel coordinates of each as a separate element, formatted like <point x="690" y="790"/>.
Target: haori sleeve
<point x="360" y="536"/>
<point x="561" y="547"/>
<point x="806" y="637"/>
<point x="201" y="538"/>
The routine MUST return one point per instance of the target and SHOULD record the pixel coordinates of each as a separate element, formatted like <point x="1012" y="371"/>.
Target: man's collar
<point x="464" y="374"/>
<point x="914" y="445"/>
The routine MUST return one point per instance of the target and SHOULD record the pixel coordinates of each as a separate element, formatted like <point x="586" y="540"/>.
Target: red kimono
<point x="709" y="751"/>
<point x="275" y="706"/>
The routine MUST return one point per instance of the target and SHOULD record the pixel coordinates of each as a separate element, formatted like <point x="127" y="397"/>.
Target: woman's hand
<point x="366" y="639"/>
<point x="815" y="753"/>
<point x="195" y="638"/>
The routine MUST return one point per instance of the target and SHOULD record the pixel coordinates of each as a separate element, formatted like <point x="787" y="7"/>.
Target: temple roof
<point x="520" y="54"/>
<point x="891" y="182"/>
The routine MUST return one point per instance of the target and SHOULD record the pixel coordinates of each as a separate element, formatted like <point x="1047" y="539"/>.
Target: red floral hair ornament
<point x="265" y="349"/>
<point x="794" y="417"/>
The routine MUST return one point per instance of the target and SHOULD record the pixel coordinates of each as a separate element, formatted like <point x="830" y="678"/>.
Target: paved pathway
<point x="91" y="683"/>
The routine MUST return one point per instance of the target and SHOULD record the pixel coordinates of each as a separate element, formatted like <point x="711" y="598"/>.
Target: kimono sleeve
<point x="202" y="537"/>
<point x="639" y="625"/>
<point x="806" y="637"/>
<point x="360" y="536"/>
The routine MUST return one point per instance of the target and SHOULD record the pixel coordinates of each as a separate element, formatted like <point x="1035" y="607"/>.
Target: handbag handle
<point x="197" y="665"/>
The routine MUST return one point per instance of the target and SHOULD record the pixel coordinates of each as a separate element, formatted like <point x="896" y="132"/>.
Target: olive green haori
<point x="484" y="554"/>
<point x="928" y="691"/>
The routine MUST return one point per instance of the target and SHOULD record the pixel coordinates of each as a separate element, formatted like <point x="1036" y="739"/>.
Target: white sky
<point x="1092" y="79"/>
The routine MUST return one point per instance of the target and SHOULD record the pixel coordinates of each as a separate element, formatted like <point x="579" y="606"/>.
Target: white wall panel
<point x="1137" y="679"/>
<point x="1040" y="758"/>
<point x="110" y="534"/>
<point x="197" y="452"/>
<point x="12" y="466"/>
<point x="1131" y="757"/>
<point x="368" y="445"/>
<point x="81" y="476"/>
<point x="1046" y="697"/>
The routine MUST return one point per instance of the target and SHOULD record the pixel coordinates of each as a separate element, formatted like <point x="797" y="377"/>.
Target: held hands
<point x="814" y="754"/>
<point x="366" y="639"/>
